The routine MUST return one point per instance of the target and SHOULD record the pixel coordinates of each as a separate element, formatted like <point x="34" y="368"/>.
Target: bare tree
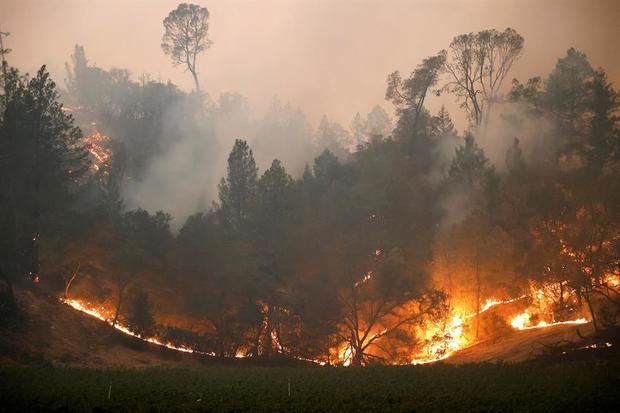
<point x="477" y="65"/>
<point x="382" y="304"/>
<point x="186" y="36"/>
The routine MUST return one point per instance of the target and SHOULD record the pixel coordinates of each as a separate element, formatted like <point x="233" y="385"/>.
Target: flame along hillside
<point x="391" y="254"/>
<point x="444" y="340"/>
<point x="441" y="337"/>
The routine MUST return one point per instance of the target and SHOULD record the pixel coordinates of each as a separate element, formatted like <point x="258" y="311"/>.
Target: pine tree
<point x="42" y="164"/>
<point x="441" y="124"/>
<point x="470" y="165"/>
<point x="237" y="192"/>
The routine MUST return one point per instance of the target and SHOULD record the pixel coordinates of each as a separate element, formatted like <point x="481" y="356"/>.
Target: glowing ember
<point x="98" y="145"/>
<point x="366" y="277"/>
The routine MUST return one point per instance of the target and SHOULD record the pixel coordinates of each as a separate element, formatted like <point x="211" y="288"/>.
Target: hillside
<point x="53" y="332"/>
<point x="520" y="345"/>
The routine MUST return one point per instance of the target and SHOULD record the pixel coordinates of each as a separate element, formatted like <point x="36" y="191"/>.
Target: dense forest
<point x="355" y="245"/>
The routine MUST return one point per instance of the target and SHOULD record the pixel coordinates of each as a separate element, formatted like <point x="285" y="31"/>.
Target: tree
<point x="382" y="304"/>
<point x="603" y="146"/>
<point x="567" y="91"/>
<point x="410" y="94"/>
<point x="471" y="167"/>
<point x="441" y="124"/>
<point x="237" y="192"/>
<point x="218" y="274"/>
<point x="186" y="36"/>
<point x="331" y="135"/>
<point x="514" y="158"/>
<point x="42" y="165"/>
<point x="474" y="260"/>
<point x="3" y="52"/>
<point x="477" y="65"/>
<point x="140" y="314"/>
<point x="273" y="243"/>
<point x="376" y="125"/>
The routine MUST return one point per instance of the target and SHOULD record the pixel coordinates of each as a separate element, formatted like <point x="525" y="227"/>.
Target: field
<point x="569" y="386"/>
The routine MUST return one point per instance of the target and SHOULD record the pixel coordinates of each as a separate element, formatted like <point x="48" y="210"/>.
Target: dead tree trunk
<point x="69" y="280"/>
<point x="120" y="284"/>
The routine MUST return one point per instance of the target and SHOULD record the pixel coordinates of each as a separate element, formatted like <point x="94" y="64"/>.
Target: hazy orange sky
<point x="326" y="56"/>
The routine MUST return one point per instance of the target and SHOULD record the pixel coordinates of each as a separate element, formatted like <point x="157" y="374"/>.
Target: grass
<point x="561" y="387"/>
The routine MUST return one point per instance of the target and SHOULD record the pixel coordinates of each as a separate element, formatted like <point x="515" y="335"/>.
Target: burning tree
<point x="384" y="303"/>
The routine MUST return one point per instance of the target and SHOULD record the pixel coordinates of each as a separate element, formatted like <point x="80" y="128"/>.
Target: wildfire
<point x="345" y="355"/>
<point x="99" y="313"/>
<point x="444" y="343"/>
<point x="612" y="279"/>
<point x="97" y="145"/>
<point x="492" y="302"/>
<point x="523" y="322"/>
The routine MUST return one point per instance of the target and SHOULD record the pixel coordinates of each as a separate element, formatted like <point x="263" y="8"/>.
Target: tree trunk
<point x="561" y="303"/>
<point x="358" y="356"/>
<point x="594" y="322"/>
<point x="69" y="280"/>
<point x="195" y="75"/>
<point x="121" y="288"/>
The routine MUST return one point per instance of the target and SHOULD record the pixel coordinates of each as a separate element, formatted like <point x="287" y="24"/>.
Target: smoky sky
<point x="326" y="56"/>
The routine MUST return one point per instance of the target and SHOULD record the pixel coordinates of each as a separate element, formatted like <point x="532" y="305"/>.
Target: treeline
<point x="361" y="250"/>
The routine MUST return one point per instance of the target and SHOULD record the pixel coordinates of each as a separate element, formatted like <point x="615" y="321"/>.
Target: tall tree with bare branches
<point x="477" y="65"/>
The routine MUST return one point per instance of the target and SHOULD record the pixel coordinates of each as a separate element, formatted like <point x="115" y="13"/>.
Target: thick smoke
<point x="183" y="178"/>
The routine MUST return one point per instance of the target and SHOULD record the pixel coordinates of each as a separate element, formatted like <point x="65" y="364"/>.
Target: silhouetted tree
<point x="140" y="314"/>
<point x="186" y="36"/>
<point x="411" y="93"/>
<point x="237" y="192"/>
<point x="42" y="165"/>
<point x="478" y="64"/>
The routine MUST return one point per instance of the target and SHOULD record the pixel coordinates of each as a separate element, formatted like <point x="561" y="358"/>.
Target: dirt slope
<point x="53" y="332"/>
<point x="520" y="345"/>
